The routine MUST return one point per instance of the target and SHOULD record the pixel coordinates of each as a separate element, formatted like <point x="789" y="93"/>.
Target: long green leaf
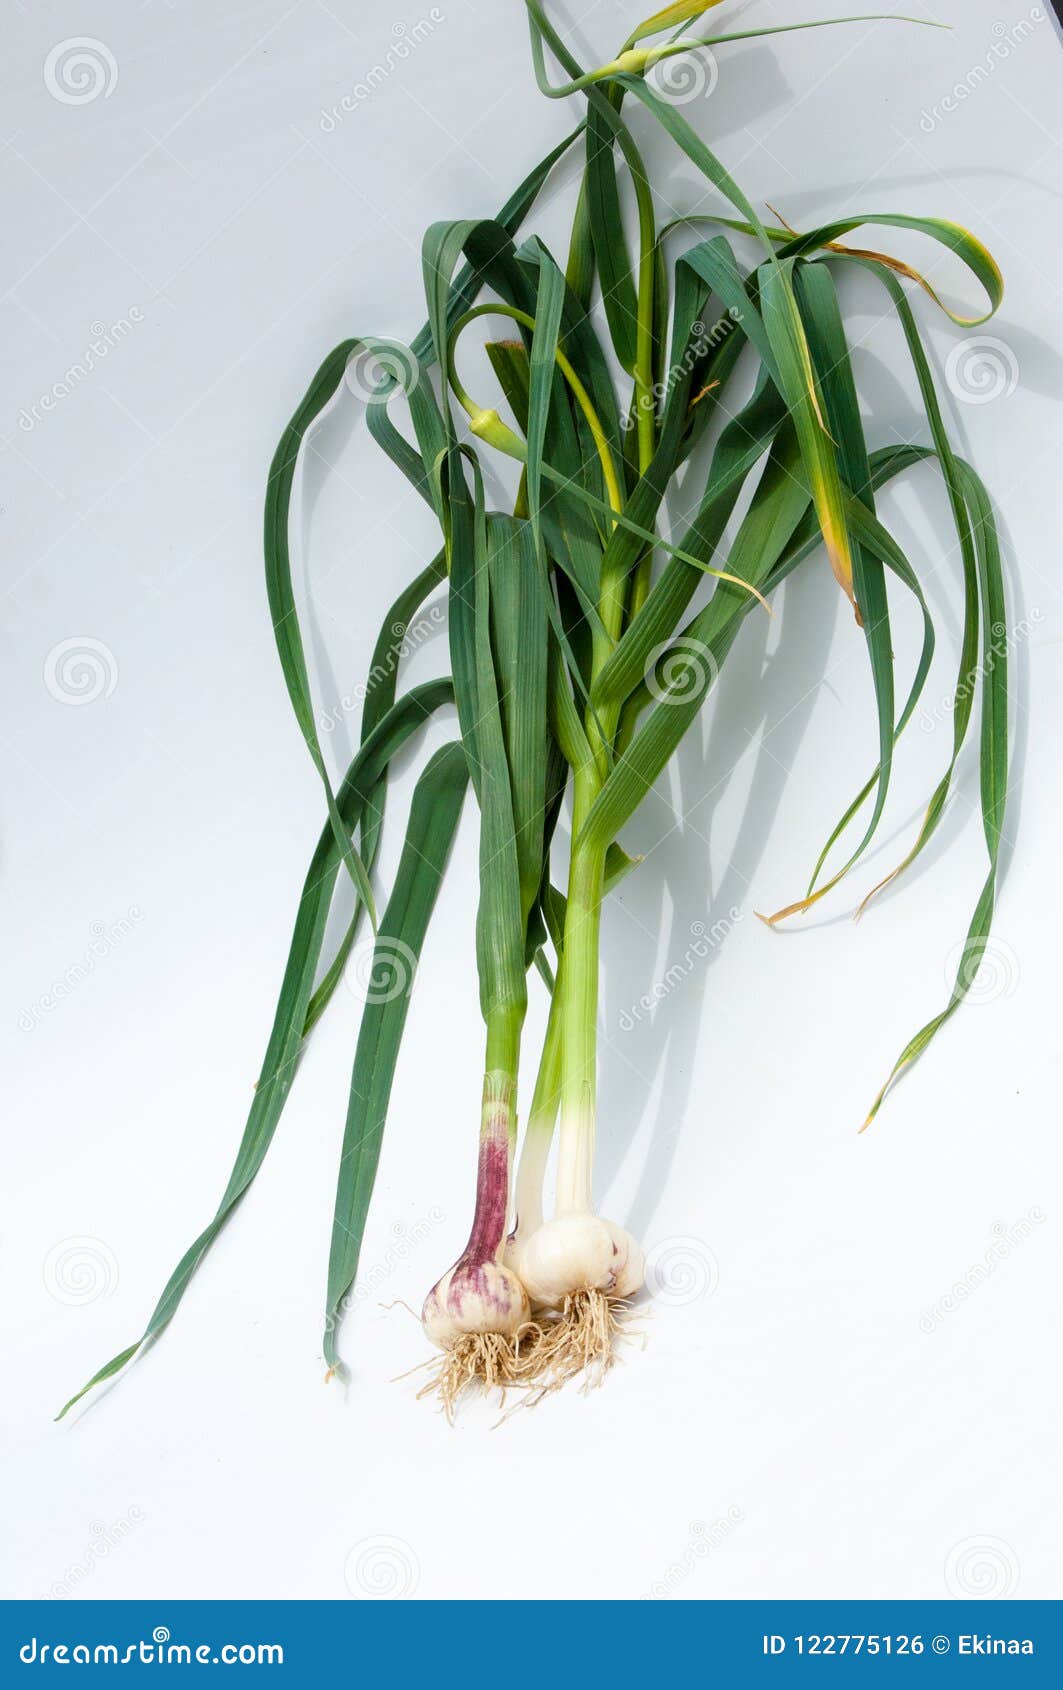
<point x="434" y="814"/>
<point x="286" y="1038"/>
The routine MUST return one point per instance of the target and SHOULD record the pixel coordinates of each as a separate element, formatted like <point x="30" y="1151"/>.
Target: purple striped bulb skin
<point x="474" y="1297"/>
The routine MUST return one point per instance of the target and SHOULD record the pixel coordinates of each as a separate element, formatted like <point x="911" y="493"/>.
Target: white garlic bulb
<point x="577" y="1252"/>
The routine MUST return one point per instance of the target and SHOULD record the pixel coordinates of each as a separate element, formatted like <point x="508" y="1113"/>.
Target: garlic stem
<point x="579" y="1010"/>
<point x="479" y="1294"/>
<point x="539" y="1132"/>
<point x="498" y="1125"/>
<point x="498" y="1136"/>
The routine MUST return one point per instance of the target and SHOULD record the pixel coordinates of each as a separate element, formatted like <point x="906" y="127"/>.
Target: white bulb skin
<point x="578" y="1252"/>
<point x="629" y="1263"/>
<point x="513" y="1257"/>
<point x="474" y="1298"/>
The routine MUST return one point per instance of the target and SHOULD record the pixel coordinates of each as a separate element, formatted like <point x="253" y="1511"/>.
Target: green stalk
<point x="576" y="989"/>
<point x="503" y="1040"/>
<point x="587" y="865"/>
<point x="579" y="1005"/>
<point x="580" y="1033"/>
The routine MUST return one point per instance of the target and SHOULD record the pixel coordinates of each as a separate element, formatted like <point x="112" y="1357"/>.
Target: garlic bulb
<point x="474" y="1298"/>
<point x="576" y="1252"/>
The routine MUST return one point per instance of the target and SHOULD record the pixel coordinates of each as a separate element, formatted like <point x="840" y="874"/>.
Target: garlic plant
<point x="580" y="658"/>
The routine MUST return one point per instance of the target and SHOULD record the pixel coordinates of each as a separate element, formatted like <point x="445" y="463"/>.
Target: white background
<point x="836" y="1397"/>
